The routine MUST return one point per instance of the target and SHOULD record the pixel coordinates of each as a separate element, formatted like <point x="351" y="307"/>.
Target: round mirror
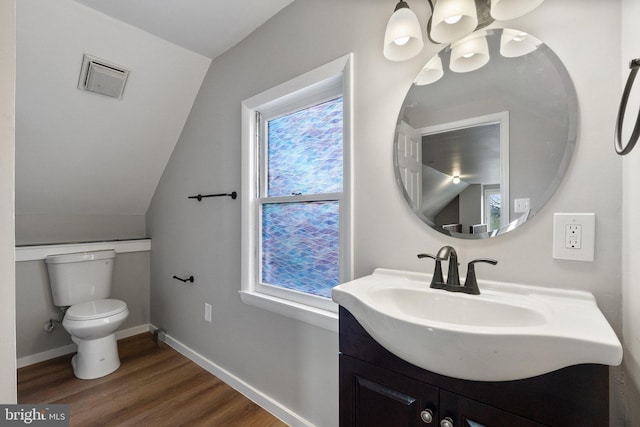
<point x="481" y="149"/>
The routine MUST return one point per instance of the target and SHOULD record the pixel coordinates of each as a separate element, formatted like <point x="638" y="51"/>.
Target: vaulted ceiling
<point x="83" y="153"/>
<point x="207" y="27"/>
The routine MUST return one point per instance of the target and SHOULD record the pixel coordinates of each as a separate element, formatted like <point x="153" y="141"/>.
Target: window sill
<point x="322" y="318"/>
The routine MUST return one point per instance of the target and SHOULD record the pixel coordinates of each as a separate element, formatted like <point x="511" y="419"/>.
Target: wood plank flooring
<point x="154" y="386"/>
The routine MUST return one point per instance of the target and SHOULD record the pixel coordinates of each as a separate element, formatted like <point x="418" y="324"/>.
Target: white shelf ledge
<point x="40" y="252"/>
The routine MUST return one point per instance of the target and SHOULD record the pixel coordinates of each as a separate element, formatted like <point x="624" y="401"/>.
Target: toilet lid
<point x="95" y="309"/>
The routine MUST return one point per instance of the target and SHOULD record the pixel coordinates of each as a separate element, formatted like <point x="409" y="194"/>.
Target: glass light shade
<point x="431" y="73"/>
<point x="470" y="53"/>
<point x="403" y="37"/>
<point x="515" y="43"/>
<point x="463" y="17"/>
<point x="509" y="9"/>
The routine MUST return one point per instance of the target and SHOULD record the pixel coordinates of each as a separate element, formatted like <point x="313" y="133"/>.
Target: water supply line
<point x="51" y="324"/>
<point x="634" y="65"/>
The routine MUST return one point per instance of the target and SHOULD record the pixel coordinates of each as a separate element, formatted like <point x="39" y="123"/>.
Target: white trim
<point x="46" y="355"/>
<point x="72" y="348"/>
<point x="302" y="298"/>
<point x="322" y="78"/>
<point x="263" y="400"/>
<point x="315" y="316"/>
<point x="40" y="252"/>
<point x="502" y="118"/>
<point x="135" y="330"/>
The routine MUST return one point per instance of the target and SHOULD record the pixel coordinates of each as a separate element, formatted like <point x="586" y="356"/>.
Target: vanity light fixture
<point x="451" y="20"/>
<point x="430" y="73"/>
<point x="514" y="43"/>
<point x="403" y="37"/>
<point x="470" y="53"/>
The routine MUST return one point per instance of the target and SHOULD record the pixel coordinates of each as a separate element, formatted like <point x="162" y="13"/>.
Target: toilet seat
<point x="97" y="309"/>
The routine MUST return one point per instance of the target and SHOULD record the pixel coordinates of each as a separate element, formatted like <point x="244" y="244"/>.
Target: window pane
<point x="304" y="151"/>
<point x="494" y="212"/>
<point x="300" y="246"/>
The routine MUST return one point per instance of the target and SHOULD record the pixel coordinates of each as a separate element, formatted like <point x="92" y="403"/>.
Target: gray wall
<point x="42" y="229"/>
<point x="631" y="225"/>
<point x="35" y="305"/>
<point x="291" y="361"/>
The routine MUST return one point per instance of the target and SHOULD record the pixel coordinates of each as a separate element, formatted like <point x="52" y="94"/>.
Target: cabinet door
<point x="374" y="397"/>
<point x="465" y="412"/>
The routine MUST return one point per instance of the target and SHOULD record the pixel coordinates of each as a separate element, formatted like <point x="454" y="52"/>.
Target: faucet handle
<point x="470" y="282"/>
<point x="437" y="272"/>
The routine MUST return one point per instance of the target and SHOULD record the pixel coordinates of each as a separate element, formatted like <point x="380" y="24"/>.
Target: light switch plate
<point x="574" y="236"/>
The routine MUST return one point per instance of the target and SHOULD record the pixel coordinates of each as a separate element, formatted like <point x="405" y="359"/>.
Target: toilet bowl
<point x="92" y="326"/>
<point x="82" y="282"/>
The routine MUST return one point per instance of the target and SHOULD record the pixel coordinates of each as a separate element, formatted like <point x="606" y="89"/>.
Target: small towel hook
<point x="188" y="279"/>
<point x="624" y="150"/>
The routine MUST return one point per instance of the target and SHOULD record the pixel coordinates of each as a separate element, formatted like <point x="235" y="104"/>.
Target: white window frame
<point x="486" y="206"/>
<point x="316" y="86"/>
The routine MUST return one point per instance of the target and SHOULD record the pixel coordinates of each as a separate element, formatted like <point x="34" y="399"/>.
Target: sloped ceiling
<point x="82" y="153"/>
<point x="208" y="27"/>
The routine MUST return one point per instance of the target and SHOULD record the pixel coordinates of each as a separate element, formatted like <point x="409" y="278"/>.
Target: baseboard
<point x="45" y="355"/>
<point x="71" y="348"/>
<point x="136" y="330"/>
<point x="274" y="407"/>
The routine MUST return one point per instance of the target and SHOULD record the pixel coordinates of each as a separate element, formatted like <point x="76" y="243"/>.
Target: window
<point x="492" y="207"/>
<point x="296" y="243"/>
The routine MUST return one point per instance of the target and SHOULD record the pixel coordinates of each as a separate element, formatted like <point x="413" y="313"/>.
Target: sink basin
<point x="451" y="309"/>
<point x="508" y="332"/>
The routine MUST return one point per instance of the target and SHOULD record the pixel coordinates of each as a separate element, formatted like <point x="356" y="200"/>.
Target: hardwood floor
<point x="154" y="386"/>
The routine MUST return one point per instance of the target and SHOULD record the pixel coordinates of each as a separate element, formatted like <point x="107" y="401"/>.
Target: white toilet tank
<point x="80" y="277"/>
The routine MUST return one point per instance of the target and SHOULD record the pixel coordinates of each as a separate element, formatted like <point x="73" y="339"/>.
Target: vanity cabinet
<point x="377" y="397"/>
<point x="378" y="389"/>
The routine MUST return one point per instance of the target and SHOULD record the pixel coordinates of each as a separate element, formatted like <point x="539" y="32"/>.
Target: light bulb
<point x="453" y="19"/>
<point x="456" y="179"/>
<point x="401" y="41"/>
<point x="468" y="55"/>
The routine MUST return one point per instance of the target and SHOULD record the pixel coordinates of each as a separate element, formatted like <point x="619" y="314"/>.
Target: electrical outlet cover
<point x="521" y="205"/>
<point x="207" y="312"/>
<point x="585" y="250"/>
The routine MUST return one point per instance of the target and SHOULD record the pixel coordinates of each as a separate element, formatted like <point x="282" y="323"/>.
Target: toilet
<point x="82" y="282"/>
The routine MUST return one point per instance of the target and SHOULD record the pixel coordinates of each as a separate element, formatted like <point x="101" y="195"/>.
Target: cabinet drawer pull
<point x="446" y="422"/>
<point x="426" y="416"/>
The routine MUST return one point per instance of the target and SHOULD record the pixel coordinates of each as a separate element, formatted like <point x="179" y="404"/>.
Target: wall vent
<point x="100" y="76"/>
